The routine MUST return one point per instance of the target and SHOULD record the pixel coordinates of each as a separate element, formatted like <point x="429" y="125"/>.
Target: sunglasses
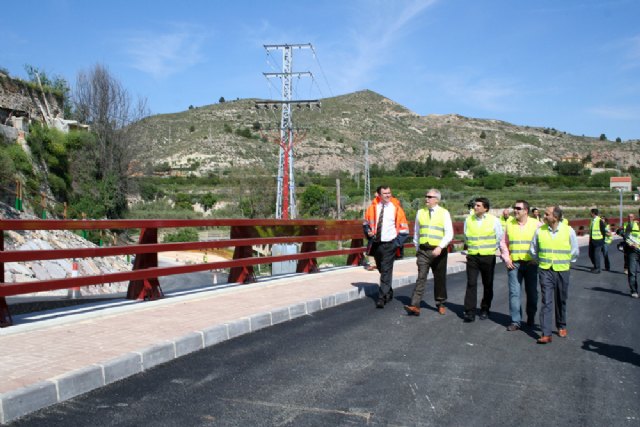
<point x="517" y="208"/>
<point x="430" y="197"/>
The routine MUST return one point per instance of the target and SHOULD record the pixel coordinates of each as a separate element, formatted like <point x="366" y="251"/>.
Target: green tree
<point x="494" y="182"/>
<point x="618" y="139"/>
<point x="244" y="132"/>
<point x="208" y="200"/>
<point x="221" y="100"/>
<point x="314" y="201"/>
<point x="102" y="101"/>
<point x="479" y="172"/>
<point x="600" y="179"/>
<point x="187" y="234"/>
<point x="569" y="168"/>
<point x="184" y="201"/>
<point x="483" y="135"/>
<point x="603" y="137"/>
<point x="148" y="190"/>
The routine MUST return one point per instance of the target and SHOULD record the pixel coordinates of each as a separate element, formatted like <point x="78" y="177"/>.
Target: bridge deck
<point x="51" y="357"/>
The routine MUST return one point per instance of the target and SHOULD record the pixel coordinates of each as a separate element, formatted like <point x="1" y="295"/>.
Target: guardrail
<point x="143" y="278"/>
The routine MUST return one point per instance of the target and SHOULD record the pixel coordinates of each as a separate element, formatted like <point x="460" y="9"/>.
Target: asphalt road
<point x="357" y="365"/>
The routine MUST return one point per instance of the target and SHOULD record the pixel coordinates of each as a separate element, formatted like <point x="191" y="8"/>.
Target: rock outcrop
<point x="17" y="272"/>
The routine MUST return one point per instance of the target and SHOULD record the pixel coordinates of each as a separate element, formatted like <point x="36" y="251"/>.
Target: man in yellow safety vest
<point x="555" y="246"/>
<point x="597" y="231"/>
<point x="631" y="234"/>
<point x="433" y="231"/>
<point x="482" y="233"/>
<point x="514" y="249"/>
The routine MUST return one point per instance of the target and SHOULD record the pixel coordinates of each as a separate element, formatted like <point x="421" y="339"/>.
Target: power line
<point x="324" y="76"/>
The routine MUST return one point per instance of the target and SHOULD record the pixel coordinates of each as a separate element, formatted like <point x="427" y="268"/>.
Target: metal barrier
<point x="143" y="278"/>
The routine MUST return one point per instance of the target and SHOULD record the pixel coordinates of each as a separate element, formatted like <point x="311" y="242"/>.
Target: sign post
<point x="620" y="183"/>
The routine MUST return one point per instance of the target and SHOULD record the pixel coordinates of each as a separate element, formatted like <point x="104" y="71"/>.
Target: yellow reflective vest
<point x="520" y="238"/>
<point x="596" y="233"/>
<point x="481" y="237"/>
<point x="431" y="227"/>
<point x="635" y="229"/>
<point x="554" y="254"/>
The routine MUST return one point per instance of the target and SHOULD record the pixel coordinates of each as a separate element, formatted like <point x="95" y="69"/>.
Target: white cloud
<point x="379" y="27"/>
<point x="481" y="93"/>
<point x="616" y="113"/>
<point x="164" y="54"/>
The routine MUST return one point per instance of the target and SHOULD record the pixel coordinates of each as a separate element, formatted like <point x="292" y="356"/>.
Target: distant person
<point x="433" y="231"/>
<point x="482" y="233"/>
<point x="388" y="227"/>
<point x="597" y="231"/>
<point x="631" y="234"/>
<point x="370" y="261"/>
<point x="471" y="204"/>
<point x="535" y="214"/>
<point x="555" y="246"/>
<point x="514" y="249"/>
<point x="608" y="238"/>
<point x="504" y="218"/>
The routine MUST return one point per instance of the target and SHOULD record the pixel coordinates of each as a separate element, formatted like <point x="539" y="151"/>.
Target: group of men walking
<point x="533" y="252"/>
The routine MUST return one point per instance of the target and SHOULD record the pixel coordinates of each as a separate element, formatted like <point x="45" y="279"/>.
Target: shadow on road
<point x="581" y="267"/>
<point x="615" y="352"/>
<point x="609" y="291"/>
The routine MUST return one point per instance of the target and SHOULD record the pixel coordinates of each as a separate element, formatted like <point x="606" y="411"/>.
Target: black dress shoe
<point x="468" y="318"/>
<point x="380" y="303"/>
<point x="484" y="314"/>
<point x="388" y="297"/>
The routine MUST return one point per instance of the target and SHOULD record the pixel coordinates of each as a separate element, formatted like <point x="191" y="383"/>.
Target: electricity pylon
<point x="286" y="196"/>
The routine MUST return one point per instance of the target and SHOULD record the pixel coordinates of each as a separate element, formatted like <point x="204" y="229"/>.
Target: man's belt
<point x="427" y="247"/>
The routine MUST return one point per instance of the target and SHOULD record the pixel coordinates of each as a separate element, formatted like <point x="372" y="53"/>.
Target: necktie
<point x="379" y="225"/>
<point x="430" y="212"/>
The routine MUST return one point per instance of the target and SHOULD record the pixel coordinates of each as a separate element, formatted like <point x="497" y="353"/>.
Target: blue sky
<point x="573" y="65"/>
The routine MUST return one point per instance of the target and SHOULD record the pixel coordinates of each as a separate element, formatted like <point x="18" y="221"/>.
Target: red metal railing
<point x="143" y="278"/>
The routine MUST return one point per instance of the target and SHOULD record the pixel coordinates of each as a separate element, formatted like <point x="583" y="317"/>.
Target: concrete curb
<point x="18" y="403"/>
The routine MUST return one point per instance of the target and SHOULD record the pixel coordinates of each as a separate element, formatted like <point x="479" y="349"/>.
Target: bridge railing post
<point x="309" y="265"/>
<point x="244" y="274"/>
<point x="146" y="289"/>
<point x="5" y="316"/>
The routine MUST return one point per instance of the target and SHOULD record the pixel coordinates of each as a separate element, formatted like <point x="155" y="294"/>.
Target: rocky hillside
<point x="56" y="269"/>
<point x="230" y="134"/>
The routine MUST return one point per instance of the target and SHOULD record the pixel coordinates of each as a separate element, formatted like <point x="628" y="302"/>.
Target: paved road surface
<point x="356" y="365"/>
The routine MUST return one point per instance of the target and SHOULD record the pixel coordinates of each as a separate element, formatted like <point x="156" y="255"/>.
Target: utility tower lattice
<point x="367" y="181"/>
<point x="286" y="196"/>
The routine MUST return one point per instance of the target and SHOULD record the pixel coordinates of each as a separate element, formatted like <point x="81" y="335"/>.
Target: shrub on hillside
<point x="7" y="168"/>
<point x="188" y="234"/>
<point x="494" y="182"/>
<point x="20" y="159"/>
